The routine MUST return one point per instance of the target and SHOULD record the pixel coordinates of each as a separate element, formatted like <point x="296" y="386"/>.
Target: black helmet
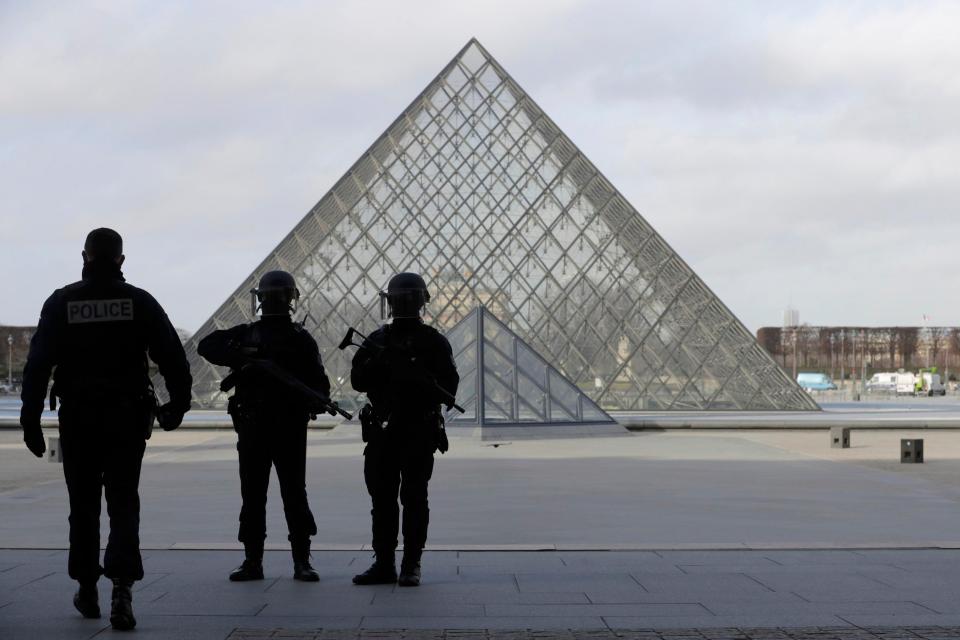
<point x="406" y="294"/>
<point x="277" y="293"/>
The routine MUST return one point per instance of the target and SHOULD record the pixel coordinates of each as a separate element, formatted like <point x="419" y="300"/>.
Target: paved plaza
<point x="186" y="593"/>
<point x="654" y="533"/>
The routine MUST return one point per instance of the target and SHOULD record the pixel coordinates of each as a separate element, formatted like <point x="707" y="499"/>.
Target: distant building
<point x="791" y="317"/>
<point x="840" y="351"/>
<point x="21" y="345"/>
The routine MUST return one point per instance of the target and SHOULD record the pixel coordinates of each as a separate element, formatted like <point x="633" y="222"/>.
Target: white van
<point x="906" y="383"/>
<point x="882" y="382"/>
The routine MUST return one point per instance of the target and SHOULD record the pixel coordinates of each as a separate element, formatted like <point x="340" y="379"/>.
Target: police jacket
<point x="95" y="335"/>
<point x="281" y="341"/>
<point x="397" y="366"/>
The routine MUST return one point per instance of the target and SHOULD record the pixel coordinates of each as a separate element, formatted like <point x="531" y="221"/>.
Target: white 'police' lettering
<point x="80" y="311"/>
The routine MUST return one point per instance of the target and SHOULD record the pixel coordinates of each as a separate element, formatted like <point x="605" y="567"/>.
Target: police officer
<point x="270" y="417"/>
<point x="402" y="366"/>
<point x="95" y="335"/>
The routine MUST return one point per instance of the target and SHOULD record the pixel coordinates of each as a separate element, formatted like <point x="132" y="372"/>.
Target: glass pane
<point x="563" y="399"/>
<point x="494" y="364"/>
<point x="498" y="336"/>
<point x="532" y="366"/>
<point x="533" y="400"/>
<point x="497" y="401"/>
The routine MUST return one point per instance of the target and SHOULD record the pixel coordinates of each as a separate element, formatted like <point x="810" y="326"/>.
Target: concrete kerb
<point x="718" y="547"/>
<point x="634" y="422"/>
<point x="807" y="422"/>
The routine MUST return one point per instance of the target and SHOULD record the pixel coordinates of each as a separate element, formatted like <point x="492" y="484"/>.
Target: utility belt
<point x="247" y="413"/>
<point x="143" y="403"/>
<point x="375" y="426"/>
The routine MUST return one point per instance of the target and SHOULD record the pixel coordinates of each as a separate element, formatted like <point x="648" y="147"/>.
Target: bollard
<point x="53" y="449"/>
<point x="911" y="451"/>
<point x="839" y="437"/>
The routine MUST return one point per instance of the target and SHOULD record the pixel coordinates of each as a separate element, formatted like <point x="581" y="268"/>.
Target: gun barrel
<point x="290" y="380"/>
<point x="342" y="412"/>
<point x="347" y="339"/>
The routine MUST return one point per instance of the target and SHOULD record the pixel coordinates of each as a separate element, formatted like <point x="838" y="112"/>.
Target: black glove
<point x="33" y="437"/>
<point x="169" y="417"/>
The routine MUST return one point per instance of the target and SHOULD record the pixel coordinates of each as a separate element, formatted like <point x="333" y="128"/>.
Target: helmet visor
<point x="404" y="303"/>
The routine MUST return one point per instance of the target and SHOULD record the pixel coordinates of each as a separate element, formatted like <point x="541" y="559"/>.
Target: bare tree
<point x="771" y="339"/>
<point x="906" y="345"/>
<point x="939" y="338"/>
<point x="890" y="338"/>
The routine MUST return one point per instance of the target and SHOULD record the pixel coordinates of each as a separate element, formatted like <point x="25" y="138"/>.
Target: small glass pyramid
<point x="504" y="382"/>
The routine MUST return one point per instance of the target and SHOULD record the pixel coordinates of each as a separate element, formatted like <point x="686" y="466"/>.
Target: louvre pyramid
<point x="477" y="189"/>
<point x="503" y="382"/>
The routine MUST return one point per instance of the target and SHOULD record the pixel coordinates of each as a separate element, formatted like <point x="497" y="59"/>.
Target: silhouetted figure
<point x="95" y="335"/>
<point x="270" y="418"/>
<point x="399" y="366"/>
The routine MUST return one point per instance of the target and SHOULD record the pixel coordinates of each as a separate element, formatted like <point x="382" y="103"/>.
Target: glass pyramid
<point x="474" y="187"/>
<point x="503" y="382"/>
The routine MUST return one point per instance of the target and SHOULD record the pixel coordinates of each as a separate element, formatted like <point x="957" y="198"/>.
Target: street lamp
<point x="10" y="361"/>
<point x="863" y="361"/>
<point x="833" y="339"/>
<point x="794" y="353"/>
<point x="843" y="356"/>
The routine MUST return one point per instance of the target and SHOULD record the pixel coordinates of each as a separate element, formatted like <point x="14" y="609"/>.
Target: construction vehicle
<point x="928" y="383"/>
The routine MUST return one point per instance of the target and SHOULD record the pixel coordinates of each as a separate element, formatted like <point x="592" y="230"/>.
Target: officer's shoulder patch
<point x="84" y="311"/>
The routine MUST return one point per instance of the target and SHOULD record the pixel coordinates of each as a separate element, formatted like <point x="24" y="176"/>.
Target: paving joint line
<point x="920" y="604"/>
<point x="640" y="584"/>
<point x="271" y="585"/>
<point x="36" y="580"/>
<point x="877" y="580"/>
<point x="768" y="588"/>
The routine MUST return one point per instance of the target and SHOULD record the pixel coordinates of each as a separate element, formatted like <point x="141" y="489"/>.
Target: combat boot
<point x="121" y="606"/>
<point x="409" y="571"/>
<point x="87" y="600"/>
<point x="382" y="571"/>
<point x="252" y="567"/>
<point x="301" y="562"/>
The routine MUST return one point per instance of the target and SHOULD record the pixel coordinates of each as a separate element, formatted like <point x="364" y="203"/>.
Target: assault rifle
<point x="417" y="369"/>
<point x="281" y="375"/>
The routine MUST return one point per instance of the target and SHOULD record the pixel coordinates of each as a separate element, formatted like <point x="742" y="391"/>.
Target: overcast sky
<point x="795" y="153"/>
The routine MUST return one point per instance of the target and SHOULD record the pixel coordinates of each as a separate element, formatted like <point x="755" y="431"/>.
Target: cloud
<point x="807" y="151"/>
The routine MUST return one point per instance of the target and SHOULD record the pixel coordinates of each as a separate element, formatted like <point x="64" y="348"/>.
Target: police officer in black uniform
<point x="95" y="335"/>
<point x="400" y="366"/>
<point x="270" y="417"/>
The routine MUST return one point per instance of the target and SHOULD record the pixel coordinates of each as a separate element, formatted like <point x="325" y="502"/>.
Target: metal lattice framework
<point x="476" y="188"/>
<point x="503" y="382"/>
